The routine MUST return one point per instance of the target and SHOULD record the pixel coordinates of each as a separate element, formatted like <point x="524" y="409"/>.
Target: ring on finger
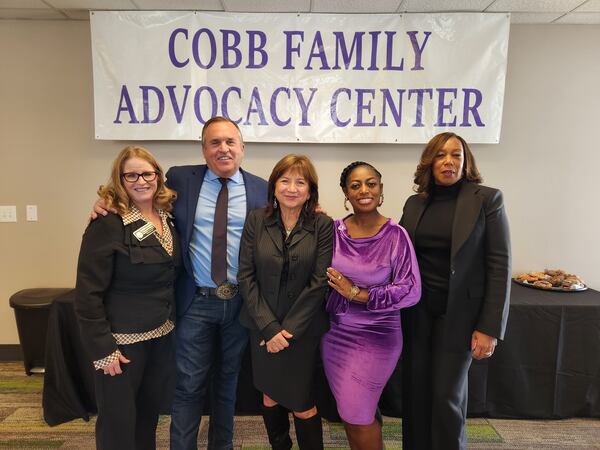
<point x="339" y="277"/>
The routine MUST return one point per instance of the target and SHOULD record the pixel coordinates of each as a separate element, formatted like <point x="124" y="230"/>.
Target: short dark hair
<point x="217" y="119"/>
<point x="350" y="167"/>
<point x="424" y="179"/>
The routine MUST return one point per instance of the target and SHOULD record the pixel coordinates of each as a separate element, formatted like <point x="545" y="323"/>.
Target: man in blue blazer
<point x="210" y="340"/>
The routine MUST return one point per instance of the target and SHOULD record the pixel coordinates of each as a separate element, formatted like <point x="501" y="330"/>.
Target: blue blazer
<point x="187" y="181"/>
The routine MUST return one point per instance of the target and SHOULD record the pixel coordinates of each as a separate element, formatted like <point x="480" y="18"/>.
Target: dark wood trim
<point x="11" y="352"/>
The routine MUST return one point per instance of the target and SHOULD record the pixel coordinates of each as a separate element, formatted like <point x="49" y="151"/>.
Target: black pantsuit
<point x="437" y="353"/>
<point x="434" y="384"/>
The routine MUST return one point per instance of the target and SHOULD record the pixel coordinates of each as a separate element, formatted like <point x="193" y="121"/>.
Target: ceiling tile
<point x="23" y="4"/>
<point x="267" y="5"/>
<point x="184" y="5"/>
<point x="589" y="6"/>
<point x="444" y="5"/>
<point x="520" y="17"/>
<point x="534" y="5"/>
<point x="34" y="14"/>
<point x="77" y="14"/>
<point x="355" y="6"/>
<point x="92" y="4"/>
<point x="523" y="11"/>
<point x="589" y="18"/>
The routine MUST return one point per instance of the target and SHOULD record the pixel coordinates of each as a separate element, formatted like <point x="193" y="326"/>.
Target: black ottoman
<point x="32" y="308"/>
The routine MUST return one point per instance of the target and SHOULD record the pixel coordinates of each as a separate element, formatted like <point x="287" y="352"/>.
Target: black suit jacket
<point x="480" y="264"/>
<point x="123" y="285"/>
<point x="261" y="273"/>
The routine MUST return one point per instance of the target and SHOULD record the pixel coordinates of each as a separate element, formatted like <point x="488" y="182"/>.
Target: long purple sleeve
<point x="405" y="287"/>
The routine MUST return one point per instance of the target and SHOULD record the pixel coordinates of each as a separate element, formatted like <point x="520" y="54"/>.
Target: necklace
<point x="289" y="229"/>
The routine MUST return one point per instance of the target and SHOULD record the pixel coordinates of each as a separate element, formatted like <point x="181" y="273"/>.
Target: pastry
<point x="543" y="284"/>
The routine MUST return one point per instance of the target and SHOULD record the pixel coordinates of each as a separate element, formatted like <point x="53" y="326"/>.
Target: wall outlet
<point x="8" y="213"/>
<point x="31" y="213"/>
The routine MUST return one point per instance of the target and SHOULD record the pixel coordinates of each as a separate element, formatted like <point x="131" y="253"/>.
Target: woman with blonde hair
<point x="127" y="267"/>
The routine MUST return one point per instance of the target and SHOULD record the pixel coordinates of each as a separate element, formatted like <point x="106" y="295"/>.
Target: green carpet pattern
<point x="253" y="436"/>
<point x="22" y="427"/>
<point x="20" y="385"/>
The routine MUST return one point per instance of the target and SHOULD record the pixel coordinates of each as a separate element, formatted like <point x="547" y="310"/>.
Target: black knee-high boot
<point x="277" y="423"/>
<point x="309" y="432"/>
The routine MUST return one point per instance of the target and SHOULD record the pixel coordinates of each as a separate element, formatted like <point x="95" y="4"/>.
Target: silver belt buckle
<point x="227" y="291"/>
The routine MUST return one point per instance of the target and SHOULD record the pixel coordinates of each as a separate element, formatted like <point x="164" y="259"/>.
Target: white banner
<point x="299" y="77"/>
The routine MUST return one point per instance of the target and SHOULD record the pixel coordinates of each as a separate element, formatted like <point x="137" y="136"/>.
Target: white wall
<point x="545" y="163"/>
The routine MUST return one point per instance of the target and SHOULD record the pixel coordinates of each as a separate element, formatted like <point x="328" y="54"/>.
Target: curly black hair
<point x="350" y="167"/>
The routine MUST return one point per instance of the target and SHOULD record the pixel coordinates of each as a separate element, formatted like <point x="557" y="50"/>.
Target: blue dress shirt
<point x="201" y="242"/>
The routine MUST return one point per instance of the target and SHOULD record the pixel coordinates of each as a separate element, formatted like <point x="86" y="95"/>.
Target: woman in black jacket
<point x="460" y="233"/>
<point x="284" y="254"/>
<point x="124" y="301"/>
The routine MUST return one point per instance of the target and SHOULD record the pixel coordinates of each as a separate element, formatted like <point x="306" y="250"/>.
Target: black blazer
<point x="123" y="285"/>
<point x="480" y="264"/>
<point x="260" y="275"/>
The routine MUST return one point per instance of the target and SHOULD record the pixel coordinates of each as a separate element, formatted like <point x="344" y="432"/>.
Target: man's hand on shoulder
<point x="100" y="209"/>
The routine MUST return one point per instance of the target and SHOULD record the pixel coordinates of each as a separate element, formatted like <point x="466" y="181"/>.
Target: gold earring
<point x="346" y="204"/>
<point x="380" y="200"/>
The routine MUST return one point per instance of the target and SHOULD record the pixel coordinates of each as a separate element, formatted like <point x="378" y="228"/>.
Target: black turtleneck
<point x="433" y="244"/>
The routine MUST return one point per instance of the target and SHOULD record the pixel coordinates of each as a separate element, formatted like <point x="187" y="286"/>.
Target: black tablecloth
<point x="69" y="377"/>
<point x="547" y="367"/>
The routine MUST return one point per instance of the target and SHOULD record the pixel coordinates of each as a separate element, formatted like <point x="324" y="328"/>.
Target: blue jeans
<point x="210" y="343"/>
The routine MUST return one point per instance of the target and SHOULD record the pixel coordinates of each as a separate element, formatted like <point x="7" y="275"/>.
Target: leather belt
<point x="225" y="291"/>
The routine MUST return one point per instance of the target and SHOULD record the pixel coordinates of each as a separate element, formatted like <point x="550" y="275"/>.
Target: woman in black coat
<point x="285" y="251"/>
<point x="124" y="301"/>
<point x="460" y="234"/>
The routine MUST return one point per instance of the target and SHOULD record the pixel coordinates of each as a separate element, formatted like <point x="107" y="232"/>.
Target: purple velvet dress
<point x="361" y="349"/>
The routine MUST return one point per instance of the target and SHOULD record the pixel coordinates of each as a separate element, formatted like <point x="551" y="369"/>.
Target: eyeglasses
<point x="132" y="177"/>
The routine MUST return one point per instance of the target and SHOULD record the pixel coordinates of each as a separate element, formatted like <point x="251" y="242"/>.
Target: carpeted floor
<point x="22" y="426"/>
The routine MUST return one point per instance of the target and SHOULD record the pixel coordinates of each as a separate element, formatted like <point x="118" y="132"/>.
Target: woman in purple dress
<point x="374" y="274"/>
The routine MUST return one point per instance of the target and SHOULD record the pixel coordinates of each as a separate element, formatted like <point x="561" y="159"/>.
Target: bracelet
<point x="354" y="291"/>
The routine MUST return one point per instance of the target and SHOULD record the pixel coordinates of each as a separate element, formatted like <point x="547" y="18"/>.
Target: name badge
<point x="144" y="231"/>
